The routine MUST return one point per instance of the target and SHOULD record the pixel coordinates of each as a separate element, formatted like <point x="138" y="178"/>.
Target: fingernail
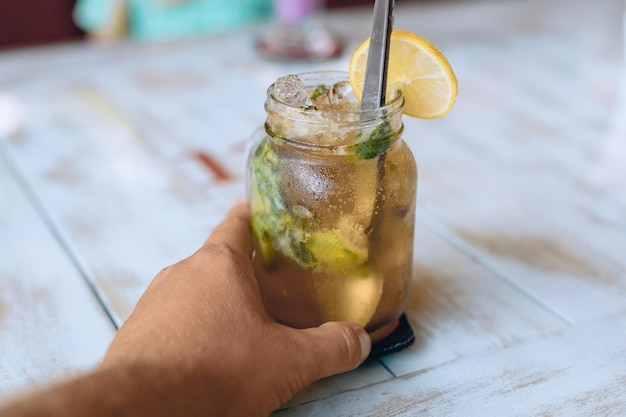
<point x="366" y="344"/>
<point x="364" y="340"/>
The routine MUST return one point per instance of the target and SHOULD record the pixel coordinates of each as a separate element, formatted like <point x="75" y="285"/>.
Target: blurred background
<point x="33" y="22"/>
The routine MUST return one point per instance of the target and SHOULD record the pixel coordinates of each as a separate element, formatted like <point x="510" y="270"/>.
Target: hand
<point x="199" y="343"/>
<point x="202" y="319"/>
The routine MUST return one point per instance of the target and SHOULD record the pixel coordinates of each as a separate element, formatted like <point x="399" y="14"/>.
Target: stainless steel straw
<point x="374" y="91"/>
<point x="374" y="85"/>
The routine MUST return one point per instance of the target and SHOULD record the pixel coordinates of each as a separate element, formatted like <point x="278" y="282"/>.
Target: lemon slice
<point x="416" y="67"/>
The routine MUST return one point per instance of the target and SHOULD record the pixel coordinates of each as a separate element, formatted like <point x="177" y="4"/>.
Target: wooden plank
<point x="51" y="324"/>
<point x="524" y="174"/>
<point x="578" y="371"/>
<point x="126" y="212"/>
<point x="457" y="309"/>
<point x="369" y="373"/>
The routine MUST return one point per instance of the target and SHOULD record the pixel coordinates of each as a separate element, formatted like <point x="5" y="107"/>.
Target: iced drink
<point x="332" y="193"/>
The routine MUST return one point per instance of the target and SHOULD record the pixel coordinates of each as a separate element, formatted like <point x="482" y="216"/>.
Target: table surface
<point x="129" y="154"/>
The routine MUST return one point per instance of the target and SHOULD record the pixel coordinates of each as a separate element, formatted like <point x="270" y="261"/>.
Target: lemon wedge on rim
<point x="416" y="67"/>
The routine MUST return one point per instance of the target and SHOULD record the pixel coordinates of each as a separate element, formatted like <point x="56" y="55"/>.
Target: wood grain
<point x="562" y="374"/>
<point x="51" y="324"/>
<point x="458" y="308"/>
<point x="523" y="150"/>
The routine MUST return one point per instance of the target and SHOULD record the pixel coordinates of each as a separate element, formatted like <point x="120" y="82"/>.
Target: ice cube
<point x="290" y="90"/>
<point x="341" y="93"/>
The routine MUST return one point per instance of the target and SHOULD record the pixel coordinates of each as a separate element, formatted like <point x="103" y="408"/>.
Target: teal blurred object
<point x="158" y="19"/>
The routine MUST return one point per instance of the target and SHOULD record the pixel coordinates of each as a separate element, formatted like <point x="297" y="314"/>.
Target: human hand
<point x="202" y="323"/>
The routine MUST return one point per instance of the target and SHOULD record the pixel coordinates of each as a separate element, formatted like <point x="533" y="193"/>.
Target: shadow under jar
<point x="332" y="191"/>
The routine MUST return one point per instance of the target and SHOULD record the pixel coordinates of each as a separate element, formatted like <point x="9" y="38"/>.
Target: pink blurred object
<point x="292" y="12"/>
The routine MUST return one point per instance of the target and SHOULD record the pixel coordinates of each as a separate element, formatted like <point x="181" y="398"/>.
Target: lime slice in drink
<point x="334" y="252"/>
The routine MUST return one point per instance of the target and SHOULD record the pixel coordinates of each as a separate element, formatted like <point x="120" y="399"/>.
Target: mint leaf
<point x="378" y="142"/>
<point x="319" y="90"/>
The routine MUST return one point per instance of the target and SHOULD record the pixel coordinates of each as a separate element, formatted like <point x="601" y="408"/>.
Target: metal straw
<point x="374" y="85"/>
<point x="374" y="91"/>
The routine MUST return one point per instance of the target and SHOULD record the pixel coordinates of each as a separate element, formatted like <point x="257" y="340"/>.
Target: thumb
<point x="336" y="347"/>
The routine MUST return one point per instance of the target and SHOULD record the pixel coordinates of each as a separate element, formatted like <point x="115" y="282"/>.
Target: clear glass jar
<point x="333" y="209"/>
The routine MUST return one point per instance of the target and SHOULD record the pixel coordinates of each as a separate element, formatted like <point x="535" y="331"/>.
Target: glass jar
<point x="332" y="194"/>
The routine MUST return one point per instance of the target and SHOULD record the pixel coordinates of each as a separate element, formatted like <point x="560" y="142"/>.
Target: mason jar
<point x="332" y="193"/>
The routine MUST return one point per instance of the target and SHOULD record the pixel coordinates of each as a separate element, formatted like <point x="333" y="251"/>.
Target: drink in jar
<point x="332" y="191"/>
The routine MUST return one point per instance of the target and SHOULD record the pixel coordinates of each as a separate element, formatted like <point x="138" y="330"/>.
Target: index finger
<point x="234" y="231"/>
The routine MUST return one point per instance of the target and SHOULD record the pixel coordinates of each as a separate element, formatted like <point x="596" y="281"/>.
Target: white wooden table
<point x="129" y="154"/>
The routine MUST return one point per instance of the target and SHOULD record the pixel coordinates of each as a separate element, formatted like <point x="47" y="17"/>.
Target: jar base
<point x="392" y="338"/>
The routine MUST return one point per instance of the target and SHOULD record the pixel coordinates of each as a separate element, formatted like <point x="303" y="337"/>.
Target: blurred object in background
<point x="298" y="33"/>
<point x="29" y="22"/>
<point x="334" y="4"/>
<point x="159" y="19"/>
<point x="32" y="22"/>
